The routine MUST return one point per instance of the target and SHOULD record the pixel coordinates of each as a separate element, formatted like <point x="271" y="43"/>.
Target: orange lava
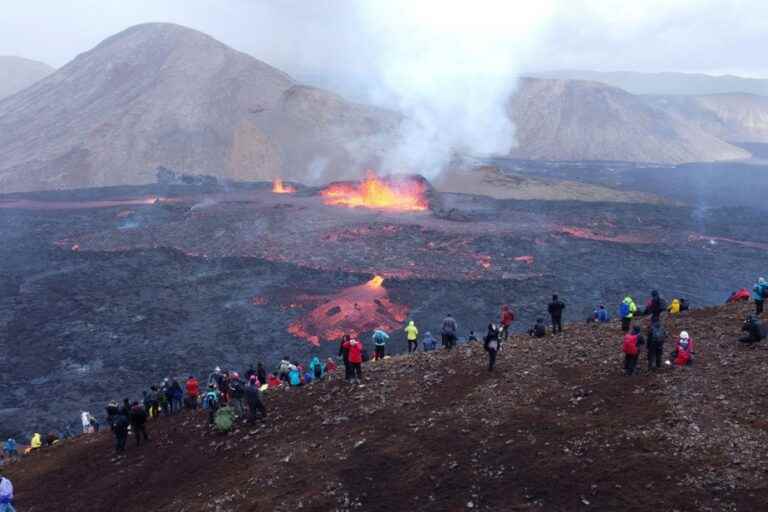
<point x="374" y="192"/>
<point x="352" y="311"/>
<point x="278" y="187"/>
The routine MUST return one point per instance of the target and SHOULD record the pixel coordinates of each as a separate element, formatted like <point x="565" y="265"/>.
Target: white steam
<point x="450" y="68"/>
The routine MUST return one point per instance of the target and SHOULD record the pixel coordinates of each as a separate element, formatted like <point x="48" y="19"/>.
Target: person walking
<point x="177" y="397"/>
<point x="138" y="421"/>
<point x="412" y="336"/>
<point x="760" y="293"/>
<point x="492" y="345"/>
<point x="10" y="449"/>
<point x="507" y="317"/>
<point x="254" y="400"/>
<point x="380" y="339"/>
<point x="655" y="306"/>
<point x="6" y="493"/>
<point x="211" y="401"/>
<point x="448" y="331"/>
<point x="627" y="310"/>
<point x="193" y="392"/>
<point x="630" y="348"/>
<point x="261" y="373"/>
<point x="355" y="351"/>
<point x="555" y="309"/>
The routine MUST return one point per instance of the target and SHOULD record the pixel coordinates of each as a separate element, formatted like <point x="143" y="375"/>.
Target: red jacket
<point x="630" y="344"/>
<point x="355" y="351"/>
<point x="507" y="317"/>
<point x="330" y="366"/>
<point x="684" y="354"/>
<point x="193" y="387"/>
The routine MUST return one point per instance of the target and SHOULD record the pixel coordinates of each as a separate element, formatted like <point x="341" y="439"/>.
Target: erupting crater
<point x="405" y="194"/>
<point x="353" y="311"/>
<point x="278" y="187"/>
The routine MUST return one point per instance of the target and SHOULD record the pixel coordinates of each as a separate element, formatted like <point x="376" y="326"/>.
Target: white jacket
<point x="6" y="490"/>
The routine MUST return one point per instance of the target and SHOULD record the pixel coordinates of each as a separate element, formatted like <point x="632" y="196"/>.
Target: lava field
<point x="103" y="291"/>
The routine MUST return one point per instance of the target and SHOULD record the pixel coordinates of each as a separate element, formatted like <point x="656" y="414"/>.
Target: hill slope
<point x="17" y="73"/>
<point x="557" y="427"/>
<point x="665" y="83"/>
<point x="576" y="120"/>
<point x="162" y="94"/>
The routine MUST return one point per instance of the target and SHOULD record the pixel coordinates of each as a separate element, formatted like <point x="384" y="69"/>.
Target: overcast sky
<point x="308" y="36"/>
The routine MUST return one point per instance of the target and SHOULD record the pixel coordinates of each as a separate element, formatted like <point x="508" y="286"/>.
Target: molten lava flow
<point x="351" y="311"/>
<point x="278" y="187"/>
<point x="375" y="192"/>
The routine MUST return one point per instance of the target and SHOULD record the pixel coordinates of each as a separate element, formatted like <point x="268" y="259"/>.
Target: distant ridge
<point x="17" y="73"/>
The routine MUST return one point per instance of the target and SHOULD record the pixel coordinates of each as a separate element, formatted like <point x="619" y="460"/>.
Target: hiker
<point x="224" y="387"/>
<point x="344" y="355"/>
<point x="555" y="310"/>
<point x="448" y="331"/>
<point x="428" y="342"/>
<point x="412" y="336"/>
<point x="237" y="393"/>
<point x="600" y="315"/>
<point x="273" y="381"/>
<point x="6" y="494"/>
<point x="683" y="353"/>
<point x="539" y="330"/>
<point x="380" y="339"/>
<point x="492" y="345"/>
<point x="193" y="392"/>
<point x="630" y="348"/>
<point x="507" y="317"/>
<point x="253" y="399"/>
<point x="655" y="306"/>
<point x="215" y="377"/>
<point x="330" y="366"/>
<point x="627" y="310"/>
<point x="471" y="337"/>
<point x="760" y="293"/>
<point x="355" y="350"/>
<point x="741" y="295"/>
<point x="85" y="419"/>
<point x="177" y="397"/>
<point x="112" y="410"/>
<point x="153" y="399"/>
<point x="211" y="401"/>
<point x="36" y="442"/>
<point x="294" y="375"/>
<point x="674" y="307"/>
<point x="10" y="449"/>
<point x="120" y="429"/>
<point x="655" y="338"/>
<point x="261" y="373"/>
<point x="754" y="328"/>
<point x="250" y="372"/>
<point x="138" y="419"/>
<point x="316" y="368"/>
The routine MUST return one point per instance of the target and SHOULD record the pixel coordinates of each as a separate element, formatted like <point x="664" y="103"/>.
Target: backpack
<point x="630" y="344"/>
<point x="210" y="401"/>
<point x="318" y="371"/>
<point x="624" y="310"/>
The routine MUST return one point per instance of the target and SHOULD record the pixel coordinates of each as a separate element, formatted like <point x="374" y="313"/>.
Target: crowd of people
<point x="228" y="396"/>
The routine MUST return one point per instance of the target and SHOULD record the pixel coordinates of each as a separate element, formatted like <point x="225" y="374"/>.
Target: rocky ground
<point x="557" y="427"/>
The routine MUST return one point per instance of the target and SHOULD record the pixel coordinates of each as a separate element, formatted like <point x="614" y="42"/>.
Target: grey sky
<point x="319" y="36"/>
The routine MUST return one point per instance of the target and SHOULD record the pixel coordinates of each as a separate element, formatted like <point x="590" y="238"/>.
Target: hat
<point x="217" y="369"/>
<point x="684" y="335"/>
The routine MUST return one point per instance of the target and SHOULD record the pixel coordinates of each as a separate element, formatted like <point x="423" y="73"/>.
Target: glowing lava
<point x="278" y="187"/>
<point x="351" y="311"/>
<point x="375" y="192"/>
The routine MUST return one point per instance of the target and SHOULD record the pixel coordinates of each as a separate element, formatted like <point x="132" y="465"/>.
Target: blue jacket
<point x="9" y="446"/>
<point x="314" y="365"/>
<point x="294" y="377"/>
<point x="380" y="337"/>
<point x="429" y="342"/>
<point x="758" y="292"/>
<point x="601" y="315"/>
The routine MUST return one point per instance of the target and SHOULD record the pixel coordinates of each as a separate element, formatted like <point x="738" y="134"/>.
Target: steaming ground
<point x="99" y="299"/>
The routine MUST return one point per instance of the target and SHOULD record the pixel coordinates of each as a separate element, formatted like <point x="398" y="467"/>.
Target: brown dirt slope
<point x="556" y="428"/>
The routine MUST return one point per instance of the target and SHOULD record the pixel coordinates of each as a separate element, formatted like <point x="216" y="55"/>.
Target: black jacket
<point x="138" y="416"/>
<point x="556" y="308"/>
<point x="755" y="330"/>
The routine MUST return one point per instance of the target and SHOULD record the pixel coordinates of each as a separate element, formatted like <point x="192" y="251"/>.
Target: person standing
<point x="507" y="317"/>
<point x="261" y="373"/>
<point x="555" y="309"/>
<point x="120" y="429"/>
<point x="380" y="339"/>
<point x="193" y="392"/>
<point x="355" y="351"/>
<point x="85" y="419"/>
<point x="6" y="494"/>
<point x="631" y="350"/>
<point x="253" y="399"/>
<point x="491" y="345"/>
<point x="655" y="306"/>
<point x="344" y="355"/>
<point x="656" y="338"/>
<point x="412" y="336"/>
<point x="448" y="331"/>
<point x="627" y="310"/>
<point x="177" y="397"/>
<point x="138" y="421"/>
<point x="760" y="293"/>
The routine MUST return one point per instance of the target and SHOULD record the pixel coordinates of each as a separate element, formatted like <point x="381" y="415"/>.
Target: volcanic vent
<point x="386" y="193"/>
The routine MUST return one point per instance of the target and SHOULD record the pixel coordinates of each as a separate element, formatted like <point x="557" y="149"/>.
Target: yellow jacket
<point x="411" y="331"/>
<point x="674" y="308"/>
<point x="36" y="442"/>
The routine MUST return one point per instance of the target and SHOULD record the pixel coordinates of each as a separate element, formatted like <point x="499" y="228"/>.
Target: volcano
<point x="394" y="193"/>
